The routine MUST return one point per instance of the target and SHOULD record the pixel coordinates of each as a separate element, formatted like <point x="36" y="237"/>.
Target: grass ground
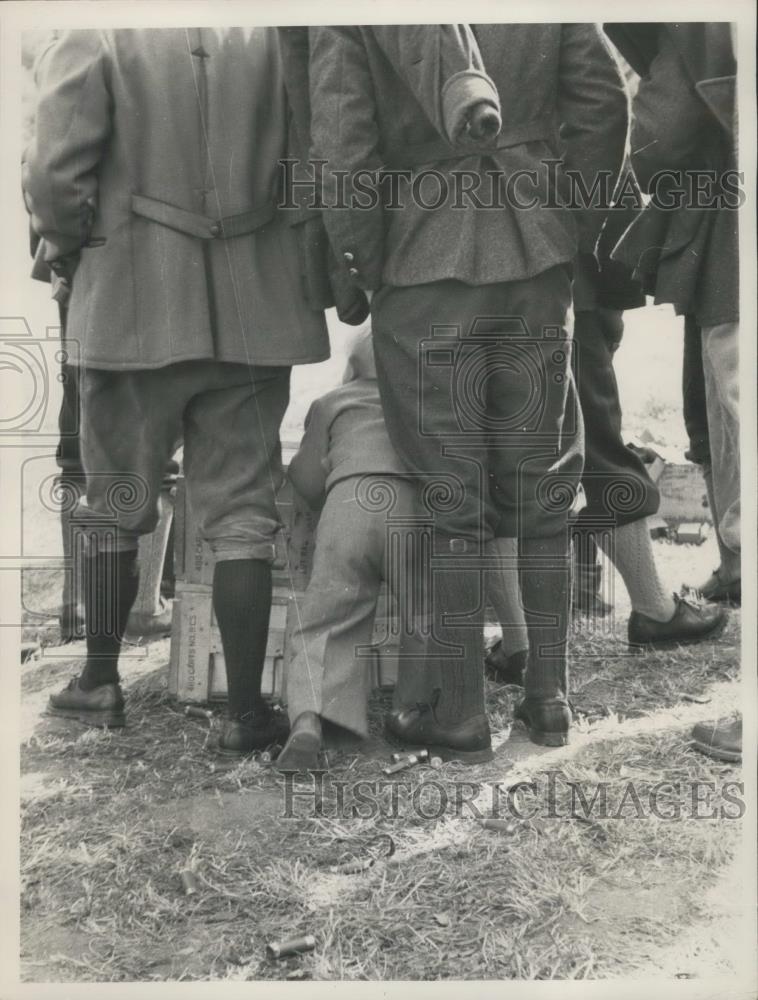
<point x="110" y="821"/>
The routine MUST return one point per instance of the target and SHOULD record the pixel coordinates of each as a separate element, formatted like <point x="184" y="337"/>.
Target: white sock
<point x="633" y="558"/>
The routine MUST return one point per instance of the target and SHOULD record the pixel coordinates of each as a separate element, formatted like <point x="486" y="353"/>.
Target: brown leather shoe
<point x="102" y="706"/>
<point x="244" y="734"/>
<point x="301" y="751"/>
<point x="548" y="721"/>
<point x="417" y="727"/>
<point x="721" y="739"/>
<point x="690" y="623"/>
<point x="506" y="669"/>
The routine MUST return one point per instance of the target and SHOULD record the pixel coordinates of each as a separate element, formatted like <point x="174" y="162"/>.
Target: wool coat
<point x="155" y="168"/>
<point x="376" y="106"/>
<point x="683" y="119"/>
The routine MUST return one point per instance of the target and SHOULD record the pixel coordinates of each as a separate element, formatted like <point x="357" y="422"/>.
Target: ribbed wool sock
<point x="455" y="592"/>
<point x="110" y="587"/>
<point x="242" y="602"/>
<point x="545" y="588"/>
<point x="633" y="557"/>
<point x="504" y="594"/>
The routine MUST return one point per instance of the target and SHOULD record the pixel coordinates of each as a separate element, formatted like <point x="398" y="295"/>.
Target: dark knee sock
<point x="110" y="588"/>
<point x="545" y="571"/>
<point x="242" y="602"/>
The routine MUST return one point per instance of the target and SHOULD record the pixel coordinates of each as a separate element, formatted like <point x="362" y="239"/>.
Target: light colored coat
<point x="155" y="165"/>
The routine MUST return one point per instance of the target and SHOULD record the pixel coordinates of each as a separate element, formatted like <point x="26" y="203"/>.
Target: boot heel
<point x="547" y="739"/>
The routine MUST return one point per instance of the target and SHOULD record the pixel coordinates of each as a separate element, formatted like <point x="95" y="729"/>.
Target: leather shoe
<point x="506" y="669"/>
<point x="690" y="623"/>
<point x="547" y="721"/>
<point x="417" y="727"/>
<point x="721" y="740"/>
<point x="301" y="751"/>
<point x="718" y="591"/>
<point x="102" y="706"/>
<point x="243" y="734"/>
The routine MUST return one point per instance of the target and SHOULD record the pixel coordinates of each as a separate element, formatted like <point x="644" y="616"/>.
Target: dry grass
<point x="111" y="819"/>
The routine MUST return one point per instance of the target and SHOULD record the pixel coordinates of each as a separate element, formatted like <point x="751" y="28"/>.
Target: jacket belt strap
<point x="419" y="154"/>
<point x="202" y="226"/>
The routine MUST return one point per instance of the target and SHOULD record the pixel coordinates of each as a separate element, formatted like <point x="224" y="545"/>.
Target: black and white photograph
<point x="378" y="410"/>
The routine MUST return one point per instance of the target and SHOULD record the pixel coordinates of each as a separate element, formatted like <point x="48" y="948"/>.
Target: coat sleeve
<point x="672" y="128"/>
<point x="345" y="135"/>
<point x="442" y="66"/>
<point x="73" y="123"/>
<point x="593" y="112"/>
<point x="309" y="467"/>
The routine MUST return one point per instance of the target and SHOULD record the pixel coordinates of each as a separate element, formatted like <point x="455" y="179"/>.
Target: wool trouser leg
<point x="545" y="587"/>
<point x="730" y="568"/>
<point x="633" y="557"/>
<point x="504" y="594"/>
<point x="110" y="587"/>
<point x="242" y="602"/>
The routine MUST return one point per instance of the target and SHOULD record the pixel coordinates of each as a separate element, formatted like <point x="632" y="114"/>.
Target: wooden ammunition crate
<point x="196" y="668"/>
<point x="683" y="494"/>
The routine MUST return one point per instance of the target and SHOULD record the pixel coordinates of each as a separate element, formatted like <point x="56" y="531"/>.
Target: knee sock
<point x="545" y="586"/>
<point x="504" y="594"/>
<point x="634" y="559"/>
<point x="242" y="602"/>
<point x="110" y="587"/>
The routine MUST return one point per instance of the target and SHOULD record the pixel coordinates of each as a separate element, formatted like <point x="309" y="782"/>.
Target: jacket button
<point x="349" y="257"/>
<point x="352" y="271"/>
<point x="215" y="229"/>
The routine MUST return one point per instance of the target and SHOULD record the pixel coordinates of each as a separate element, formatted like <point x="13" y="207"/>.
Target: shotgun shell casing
<point x="189" y="881"/>
<point x="436" y="762"/>
<point x="404" y="761"/>
<point x="292" y="946"/>
<point x="198" y="713"/>
<point x="503" y="825"/>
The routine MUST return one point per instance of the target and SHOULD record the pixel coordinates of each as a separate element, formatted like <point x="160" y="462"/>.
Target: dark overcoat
<point x="683" y="119"/>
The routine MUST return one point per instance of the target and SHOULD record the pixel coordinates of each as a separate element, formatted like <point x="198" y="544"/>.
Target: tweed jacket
<point x="683" y="119"/>
<point x="562" y="105"/>
<point x="155" y="166"/>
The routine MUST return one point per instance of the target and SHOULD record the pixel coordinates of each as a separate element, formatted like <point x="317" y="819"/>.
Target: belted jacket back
<point x="156" y="160"/>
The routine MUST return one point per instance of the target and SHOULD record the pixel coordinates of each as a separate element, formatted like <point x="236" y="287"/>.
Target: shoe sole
<point x="544" y="739"/>
<point x="714" y="633"/>
<point x="300" y="759"/>
<point x="110" y="720"/>
<point x="730" y="756"/>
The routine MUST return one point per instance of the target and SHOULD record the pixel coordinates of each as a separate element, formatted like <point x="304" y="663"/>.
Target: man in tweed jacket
<point x="469" y="308"/>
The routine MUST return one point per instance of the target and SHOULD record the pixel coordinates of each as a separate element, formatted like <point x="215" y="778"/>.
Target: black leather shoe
<point x="506" y="669"/>
<point x="690" y="623"/>
<point x="243" y="734"/>
<point x="417" y="727"/>
<point x="102" y="706"/>
<point x="548" y="721"/>
<point x="719" y="592"/>
<point x="721" y="740"/>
